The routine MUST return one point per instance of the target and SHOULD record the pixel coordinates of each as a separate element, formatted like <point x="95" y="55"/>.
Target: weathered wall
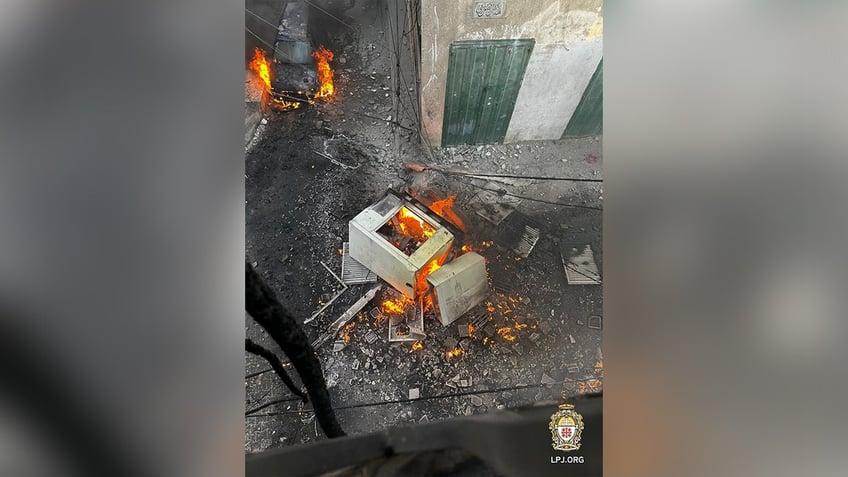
<point x="568" y="36"/>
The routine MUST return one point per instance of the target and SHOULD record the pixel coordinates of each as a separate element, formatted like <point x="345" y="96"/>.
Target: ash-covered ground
<point x="540" y="337"/>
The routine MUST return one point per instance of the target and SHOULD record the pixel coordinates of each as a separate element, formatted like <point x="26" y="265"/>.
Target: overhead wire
<point x="262" y="19"/>
<point x="532" y="199"/>
<point x="330" y="15"/>
<point x="259" y="38"/>
<point x="401" y="401"/>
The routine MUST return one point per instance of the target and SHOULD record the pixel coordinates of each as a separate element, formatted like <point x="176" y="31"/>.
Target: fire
<point x="396" y="306"/>
<point x="471" y="328"/>
<point x="345" y="332"/>
<point x="413" y="226"/>
<point x="417" y="345"/>
<point x="444" y="209"/>
<point x="456" y="352"/>
<point x="325" y="74"/>
<point x="259" y="65"/>
<point x="421" y="279"/>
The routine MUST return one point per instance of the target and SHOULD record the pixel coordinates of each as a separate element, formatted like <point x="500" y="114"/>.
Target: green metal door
<point x="483" y="81"/>
<point x="588" y="118"/>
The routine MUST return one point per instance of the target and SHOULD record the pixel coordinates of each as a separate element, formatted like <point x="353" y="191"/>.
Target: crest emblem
<point x="566" y="427"/>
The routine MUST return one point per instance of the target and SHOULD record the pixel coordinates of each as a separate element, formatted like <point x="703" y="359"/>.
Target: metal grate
<point x="527" y="241"/>
<point x="580" y="267"/>
<point x="353" y="272"/>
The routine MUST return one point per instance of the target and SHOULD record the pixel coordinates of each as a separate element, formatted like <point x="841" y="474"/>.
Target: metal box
<point x="372" y="249"/>
<point x="459" y="286"/>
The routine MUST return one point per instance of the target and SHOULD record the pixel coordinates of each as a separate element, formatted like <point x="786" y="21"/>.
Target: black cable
<point x="503" y="192"/>
<point x="262" y="19"/>
<point x="271" y="403"/>
<point x="259" y="38"/>
<point x="330" y="15"/>
<point x="510" y="176"/>
<point x="258" y="373"/>
<point x="427" y="398"/>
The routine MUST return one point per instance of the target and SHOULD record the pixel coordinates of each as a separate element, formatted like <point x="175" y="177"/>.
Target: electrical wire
<point x="503" y="192"/>
<point x="510" y="176"/>
<point x="259" y="38"/>
<point x="271" y="403"/>
<point x="401" y="401"/>
<point x="330" y="15"/>
<point x="276" y="27"/>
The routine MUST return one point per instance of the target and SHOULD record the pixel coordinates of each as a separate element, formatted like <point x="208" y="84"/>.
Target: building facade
<point x="495" y="71"/>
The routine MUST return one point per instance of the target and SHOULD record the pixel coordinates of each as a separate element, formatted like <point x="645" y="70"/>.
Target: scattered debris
<point x="414" y="393"/>
<point x="371" y="337"/>
<point x="572" y="367"/>
<point x="579" y="263"/>
<point x="334" y="161"/>
<point x="339" y="345"/>
<point x="330" y="300"/>
<point x="527" y="242"/>
<point x="595" y="322"/>
<point x="337" y="325"/>
<point x="547" y="379"/>
<point x="492" y="207"/>
<point x="476" y="400"/>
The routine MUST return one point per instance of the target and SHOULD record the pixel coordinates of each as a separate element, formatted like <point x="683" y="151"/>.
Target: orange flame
<point x="345" y="332"/>
<point x="421" y="279"/>
<point x="456" y="352"/>
<point x="417" y="345"/>
<point x="259" y="65"/>
<point x="325" y="74"/>
<point x="444" y="209"/>
<point x="396" y="306"/>
<point x="411" y="225"/>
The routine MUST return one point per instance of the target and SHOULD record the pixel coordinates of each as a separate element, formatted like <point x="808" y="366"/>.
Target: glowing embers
<point x="406" y="231"/>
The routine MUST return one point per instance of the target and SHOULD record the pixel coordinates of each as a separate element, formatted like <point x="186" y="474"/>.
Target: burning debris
<point x="259" y="65"/>
<point x="323" y="57"/>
